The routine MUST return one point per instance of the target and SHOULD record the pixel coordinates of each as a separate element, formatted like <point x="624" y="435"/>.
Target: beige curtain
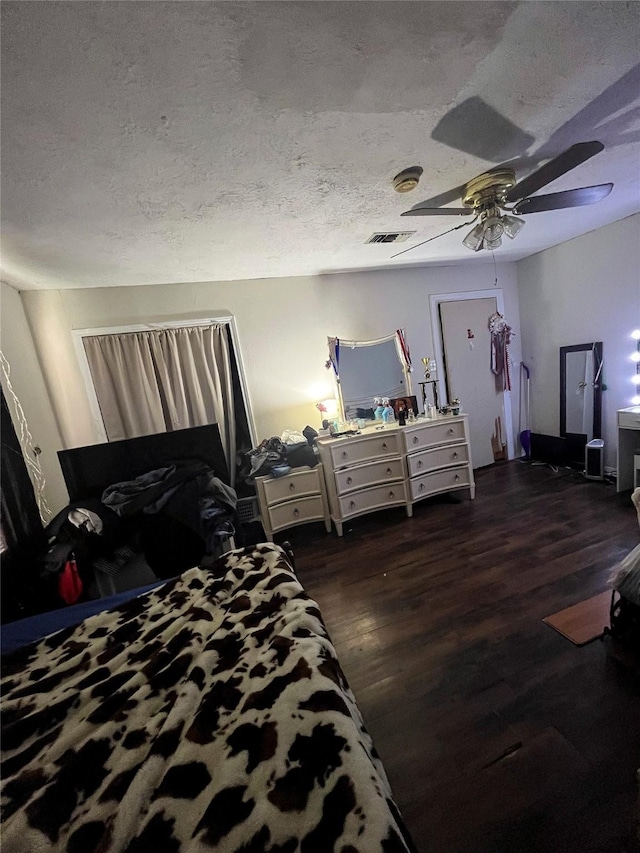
<point x="148" y="382"/>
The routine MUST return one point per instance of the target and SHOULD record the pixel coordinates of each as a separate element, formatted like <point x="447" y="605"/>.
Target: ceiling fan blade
<point x="555" y="168"/>
<point x="475" y="127"/>
<point x="454" y="194"/>
<point x="568" y="198"/>
<point x="438" y="211"/>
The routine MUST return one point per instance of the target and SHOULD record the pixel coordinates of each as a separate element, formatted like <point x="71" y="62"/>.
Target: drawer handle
<point x="420" y="463"/>
<point x="392" y="494"/>
<point x="454" y="456"/>
<point x="389" y="471"/>
<point x="415" y="439"/>
<point x="349" y="481"/>
<point x="451" y="431"/>
<point x="296" y="512"/>
<point x="384" y="445"/>
<point x="292" y="487"/>
<point x="457" y="477"/>
<point x="422" y="487"/>
<point x="345" y="455"/>
<point x="352" y="504"/>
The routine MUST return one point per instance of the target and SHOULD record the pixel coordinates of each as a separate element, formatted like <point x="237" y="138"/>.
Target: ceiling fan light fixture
<point x="489" y="243"/>
<point x="474" y="238"/>
<point x="493" y="228"/>
<point x="512" y="226"/>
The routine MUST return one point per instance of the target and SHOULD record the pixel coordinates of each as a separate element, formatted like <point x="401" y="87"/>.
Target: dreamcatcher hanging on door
<point x="501" y="336"/>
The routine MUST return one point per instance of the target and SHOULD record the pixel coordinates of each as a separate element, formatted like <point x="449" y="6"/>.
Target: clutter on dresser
<point x="430" y="380"/>
<point x="279" y="454"/>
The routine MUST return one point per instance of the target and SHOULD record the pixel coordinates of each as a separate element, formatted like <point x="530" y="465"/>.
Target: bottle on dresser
<point x="388" y="415"/>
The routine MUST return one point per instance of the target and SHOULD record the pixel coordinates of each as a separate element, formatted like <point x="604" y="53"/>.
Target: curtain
<point x="22" y="535"/>
<point x="158" y="381"/>
<point x="20" y="520"/>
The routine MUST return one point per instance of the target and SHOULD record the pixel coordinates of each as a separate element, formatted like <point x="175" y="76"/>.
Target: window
<point x="144" y="380"/>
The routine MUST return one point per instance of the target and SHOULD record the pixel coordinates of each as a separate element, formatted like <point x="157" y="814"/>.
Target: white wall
<point x="28" y="383"/>
<point x="587" y="289"/>
<point x="283" y="325"/>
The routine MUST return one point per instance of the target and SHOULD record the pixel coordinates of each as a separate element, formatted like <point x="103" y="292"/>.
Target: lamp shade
<point x="512" y="226"/>
<point x="490" y="243"/>
<point x="493" y="229"/>
<point x="473" y="240"/>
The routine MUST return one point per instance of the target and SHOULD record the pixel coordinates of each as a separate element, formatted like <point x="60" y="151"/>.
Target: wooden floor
<point x="496" y="732"/>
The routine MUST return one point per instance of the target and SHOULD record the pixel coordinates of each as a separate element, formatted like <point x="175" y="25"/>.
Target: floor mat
<point x="583" y="622"/>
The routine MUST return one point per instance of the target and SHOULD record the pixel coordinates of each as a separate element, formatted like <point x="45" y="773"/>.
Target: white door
<point x="466" y="346"/>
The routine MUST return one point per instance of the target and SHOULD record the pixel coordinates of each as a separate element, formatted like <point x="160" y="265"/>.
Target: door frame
<point x="434" y="301"/>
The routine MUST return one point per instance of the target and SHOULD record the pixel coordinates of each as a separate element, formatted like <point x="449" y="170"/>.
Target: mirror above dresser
<point x="367" y="369"/>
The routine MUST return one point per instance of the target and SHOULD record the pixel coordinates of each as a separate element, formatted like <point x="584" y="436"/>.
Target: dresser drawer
<point x="297" y="483"/>
<point x="369" y="474"/>
<point x="296" y="512"/>
<point x="430" y="435"/>
<point x="629" y="420"/>
<point x="361" y="450"/>
<point x="430" y="460"/>
<point x="439" y="481"/>
<point x="374" y="498"/>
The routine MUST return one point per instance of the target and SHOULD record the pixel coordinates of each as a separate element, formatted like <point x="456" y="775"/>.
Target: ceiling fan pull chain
<point x="455" y="228"/>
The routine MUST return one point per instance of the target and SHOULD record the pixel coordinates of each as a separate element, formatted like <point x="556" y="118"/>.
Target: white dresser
<point x="628" y="445"/>
<point x="297" y="498"/>
<point x="438" y="457"/>
<point x="395" y="466"/>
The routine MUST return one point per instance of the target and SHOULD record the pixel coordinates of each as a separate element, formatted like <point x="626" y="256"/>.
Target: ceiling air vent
<point x="390" y="237"/>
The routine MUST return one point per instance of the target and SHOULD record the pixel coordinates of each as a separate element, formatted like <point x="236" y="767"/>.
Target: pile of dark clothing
<point x="273" y="456"/>
<point x="173" y="517"/>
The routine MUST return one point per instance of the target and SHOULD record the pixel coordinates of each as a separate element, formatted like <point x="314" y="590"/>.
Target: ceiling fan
<point x="495" y="199"/>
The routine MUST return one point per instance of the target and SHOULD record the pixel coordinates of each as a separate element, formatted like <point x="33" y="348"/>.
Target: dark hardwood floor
<point x="496" y="732"/>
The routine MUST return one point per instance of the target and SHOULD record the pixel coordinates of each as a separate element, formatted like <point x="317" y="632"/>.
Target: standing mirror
<point x="581" y="390"/>
<point x="368" y="369"/>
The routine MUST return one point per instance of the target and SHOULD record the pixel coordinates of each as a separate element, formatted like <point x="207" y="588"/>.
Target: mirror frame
<point x="596" y="348"/>
<point x="351" y="344"/>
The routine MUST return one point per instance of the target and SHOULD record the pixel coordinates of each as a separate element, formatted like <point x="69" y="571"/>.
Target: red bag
<point x="69" y="583"/>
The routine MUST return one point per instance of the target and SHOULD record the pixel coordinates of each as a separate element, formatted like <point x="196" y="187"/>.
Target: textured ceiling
<point x="158" y="142"/>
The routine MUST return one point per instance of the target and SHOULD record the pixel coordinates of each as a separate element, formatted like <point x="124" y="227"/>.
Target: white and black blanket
<point x="209" y="714"/>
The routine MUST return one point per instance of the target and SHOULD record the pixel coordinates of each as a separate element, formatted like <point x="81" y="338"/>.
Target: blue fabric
<point x="15" y="635"/>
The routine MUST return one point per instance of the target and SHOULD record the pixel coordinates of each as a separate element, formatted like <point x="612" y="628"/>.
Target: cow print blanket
<point x="209" y="714"/>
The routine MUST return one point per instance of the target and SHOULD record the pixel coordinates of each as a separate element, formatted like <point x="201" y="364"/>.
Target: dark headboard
<point x="89" y="470"/>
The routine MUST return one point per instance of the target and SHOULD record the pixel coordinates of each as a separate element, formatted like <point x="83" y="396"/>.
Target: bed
<point x="209" y="713"/>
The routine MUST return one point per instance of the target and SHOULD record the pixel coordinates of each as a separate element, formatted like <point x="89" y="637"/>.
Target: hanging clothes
<point x="501" y="337"/>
